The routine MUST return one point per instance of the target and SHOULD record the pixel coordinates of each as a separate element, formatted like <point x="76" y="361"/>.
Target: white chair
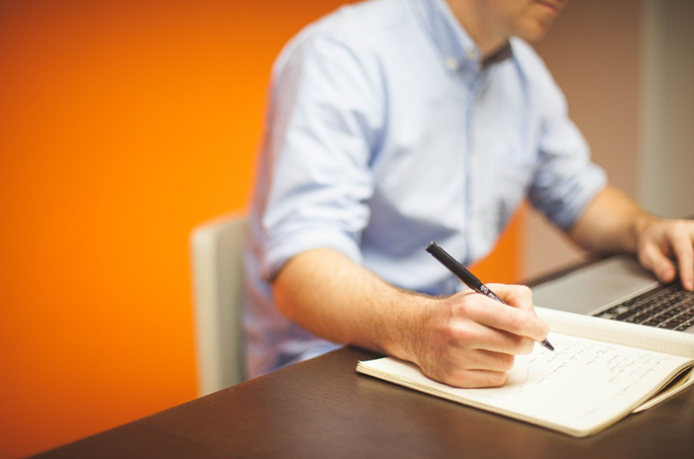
<point x="217" y="265"/>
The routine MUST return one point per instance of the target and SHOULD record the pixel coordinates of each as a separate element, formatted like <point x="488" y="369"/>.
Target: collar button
<point x="452" y="63"/>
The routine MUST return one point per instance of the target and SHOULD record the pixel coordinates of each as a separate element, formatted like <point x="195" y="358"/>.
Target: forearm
<point x="332" y="297"/>
<point x="610" y="223"/>
<point x="465" y="340"/>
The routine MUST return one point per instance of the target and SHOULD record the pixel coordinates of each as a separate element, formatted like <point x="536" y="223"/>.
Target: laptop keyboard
<point x="669" y="307"/>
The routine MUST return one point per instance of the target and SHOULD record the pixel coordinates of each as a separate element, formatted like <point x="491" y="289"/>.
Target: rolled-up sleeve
<point x="324" y="125"/>
<point x="566" y="179"/>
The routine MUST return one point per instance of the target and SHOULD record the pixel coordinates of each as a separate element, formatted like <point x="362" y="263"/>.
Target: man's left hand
<point x="660" y="241"/>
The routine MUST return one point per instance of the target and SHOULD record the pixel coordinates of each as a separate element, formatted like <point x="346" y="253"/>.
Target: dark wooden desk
<point x="323" y="408"/>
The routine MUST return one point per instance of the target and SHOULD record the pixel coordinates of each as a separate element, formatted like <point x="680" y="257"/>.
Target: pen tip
<point x="548" y="345"/>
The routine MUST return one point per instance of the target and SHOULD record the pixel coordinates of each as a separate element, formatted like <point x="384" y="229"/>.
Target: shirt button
<point x="452" y="63"/>
<point x="471" y="54"/>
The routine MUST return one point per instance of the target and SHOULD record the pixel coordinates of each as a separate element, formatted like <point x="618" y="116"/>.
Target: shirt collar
<point x="505" y="52"/>
<point x="456" y="48"/>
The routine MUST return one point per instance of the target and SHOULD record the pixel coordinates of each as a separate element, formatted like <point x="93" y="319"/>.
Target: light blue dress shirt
<point x="384" y="132"/>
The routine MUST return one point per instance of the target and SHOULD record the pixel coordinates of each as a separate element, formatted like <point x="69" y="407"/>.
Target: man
<point x="393" y="123"/>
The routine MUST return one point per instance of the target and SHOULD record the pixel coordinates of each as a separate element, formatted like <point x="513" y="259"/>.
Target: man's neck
<point x="482" y="32"/>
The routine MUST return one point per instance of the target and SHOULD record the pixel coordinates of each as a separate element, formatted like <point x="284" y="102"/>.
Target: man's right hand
<point x="470" y="340"/>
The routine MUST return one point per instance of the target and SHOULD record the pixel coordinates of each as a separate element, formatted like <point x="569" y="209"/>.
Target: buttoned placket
<point x="477" y="80"/>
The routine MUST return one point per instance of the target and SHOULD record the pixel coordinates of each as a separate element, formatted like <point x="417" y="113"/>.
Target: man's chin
<point x="534" y="33"/>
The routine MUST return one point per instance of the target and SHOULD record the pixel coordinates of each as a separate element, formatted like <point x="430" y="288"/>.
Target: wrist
<point x="411" y="335"/>
<point x="639" y="227"/>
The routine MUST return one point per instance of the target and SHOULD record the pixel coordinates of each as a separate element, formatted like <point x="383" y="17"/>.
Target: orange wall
<point x="122" y="126"/>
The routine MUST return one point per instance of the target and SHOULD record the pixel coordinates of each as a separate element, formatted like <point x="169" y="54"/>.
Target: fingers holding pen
<point x="514" y="319"/>
<point x="472" y="341"/>
<point x="477" y="336"/>
<point x="518" y="296"/>
<point x="515" y="323"/>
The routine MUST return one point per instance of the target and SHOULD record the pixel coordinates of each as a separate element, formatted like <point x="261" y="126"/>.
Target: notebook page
<point x="586" y="386"/>
<point x="683" y="381"/>
<point x="611" y="331"/>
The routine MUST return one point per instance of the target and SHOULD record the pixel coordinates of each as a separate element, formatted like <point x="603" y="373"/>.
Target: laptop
<point x="618" y="288"/>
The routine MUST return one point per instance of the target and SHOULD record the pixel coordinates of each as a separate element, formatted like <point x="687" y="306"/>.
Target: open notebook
<point x="601" y="372"/>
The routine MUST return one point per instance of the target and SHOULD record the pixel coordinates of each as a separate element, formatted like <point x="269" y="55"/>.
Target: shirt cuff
<point x="592" y="182"/>
<point x="281" y="249"/>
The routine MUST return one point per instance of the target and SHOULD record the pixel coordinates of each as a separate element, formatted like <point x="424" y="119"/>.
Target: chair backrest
<point x="217" y="268"/>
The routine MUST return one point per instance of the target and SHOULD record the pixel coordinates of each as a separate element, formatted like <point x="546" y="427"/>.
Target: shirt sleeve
<point x="323" y="126"/>
<point x="566" y="180"/>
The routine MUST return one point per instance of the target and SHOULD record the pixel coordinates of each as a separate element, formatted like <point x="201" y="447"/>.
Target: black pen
<point x="468" y="278"/>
